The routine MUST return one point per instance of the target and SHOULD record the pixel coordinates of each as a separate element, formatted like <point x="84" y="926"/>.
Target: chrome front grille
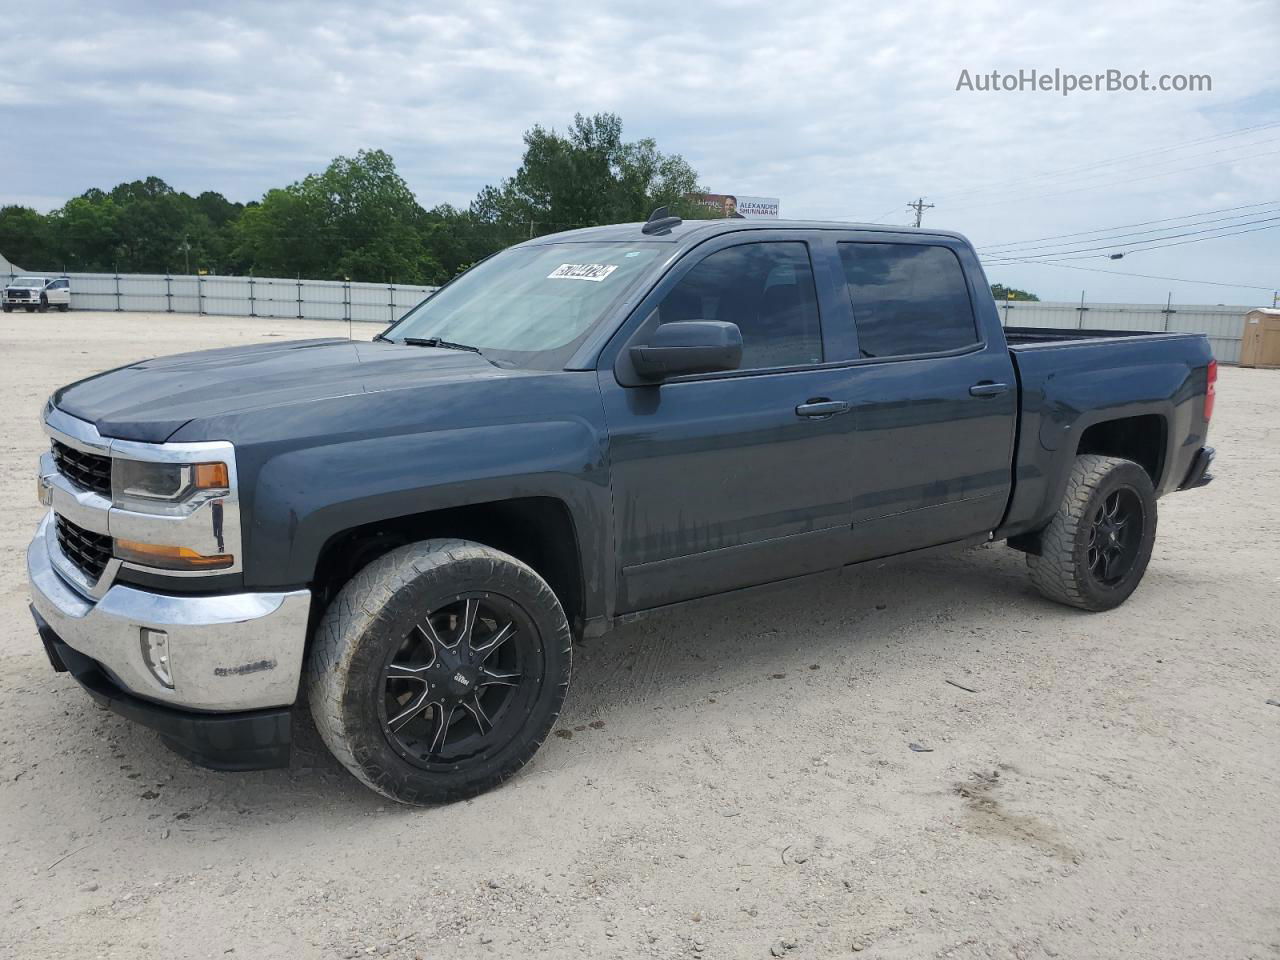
<point x="89" y="471"/>
<point x="89" y="551"/>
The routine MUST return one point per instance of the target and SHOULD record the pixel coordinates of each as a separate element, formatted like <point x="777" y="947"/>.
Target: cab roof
<point x="695" y="231"/>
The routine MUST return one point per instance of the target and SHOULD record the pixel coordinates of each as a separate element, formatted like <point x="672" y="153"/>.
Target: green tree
<point x="84" y="232"/>
<point x="24" y="238"/>
<point x="357" y="219"/>
<point x="999" y="291"/>
<point x="588" y="176"/>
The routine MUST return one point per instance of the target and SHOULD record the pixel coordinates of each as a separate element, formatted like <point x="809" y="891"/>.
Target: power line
<point x="1068" y="177"/>
<point x="1145" y="276"/>
<point x="1183" y="243"/>
<point x="1075" y="171"/>
<point x="1138" y="246"/>
<point x="1097" y="256"/>
<point x="1121" y="226"/>
<point x="1127" y="180"/>
<point x="879" y="216"/>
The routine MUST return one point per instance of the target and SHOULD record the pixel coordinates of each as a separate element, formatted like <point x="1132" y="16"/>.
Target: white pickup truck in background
<point x="37" y="293"/>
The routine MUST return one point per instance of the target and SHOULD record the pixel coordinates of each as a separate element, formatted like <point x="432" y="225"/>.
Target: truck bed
<point x="1032" y="336"/>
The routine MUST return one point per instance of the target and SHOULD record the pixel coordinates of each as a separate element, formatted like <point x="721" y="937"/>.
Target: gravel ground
<point x="733" y="780"/>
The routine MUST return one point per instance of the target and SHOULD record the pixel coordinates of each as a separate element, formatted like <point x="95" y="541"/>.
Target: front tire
<point x="44" y="303"/>
<point x="438" y="670"/>
<point x="1094" y="552"/>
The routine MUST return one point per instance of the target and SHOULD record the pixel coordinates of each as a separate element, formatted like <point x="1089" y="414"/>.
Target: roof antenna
<point x="660" y="222"/>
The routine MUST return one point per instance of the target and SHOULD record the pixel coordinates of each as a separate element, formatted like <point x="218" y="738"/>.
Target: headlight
<point x="175" y="516"/>
<point x="161" y="483"/>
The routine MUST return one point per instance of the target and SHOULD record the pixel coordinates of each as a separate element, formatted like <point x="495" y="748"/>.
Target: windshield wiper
<point x="437" y="342"/>
<point x="382" y="338"/>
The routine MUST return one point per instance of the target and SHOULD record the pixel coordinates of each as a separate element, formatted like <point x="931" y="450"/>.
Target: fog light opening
<point x="155" y="652"/>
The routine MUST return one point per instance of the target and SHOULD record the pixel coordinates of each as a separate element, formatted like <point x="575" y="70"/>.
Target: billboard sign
<point x="729" y="204"/>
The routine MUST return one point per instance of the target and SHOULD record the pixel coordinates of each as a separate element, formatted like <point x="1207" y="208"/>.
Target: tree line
<point x="357" y="219"/>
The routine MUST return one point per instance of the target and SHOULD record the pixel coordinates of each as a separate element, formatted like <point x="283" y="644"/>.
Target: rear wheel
<point x="64" y="307"/>
<point x="438" y="670"/>
<point x="1095" y="551"/>
<point x="31" y="309"/>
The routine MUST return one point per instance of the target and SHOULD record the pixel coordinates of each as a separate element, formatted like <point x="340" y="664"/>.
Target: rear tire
<point x="64" y="307"/>
<point x="438" y="670"/>
<point x="1095" y="551"/>
<point x="31" y="309"/>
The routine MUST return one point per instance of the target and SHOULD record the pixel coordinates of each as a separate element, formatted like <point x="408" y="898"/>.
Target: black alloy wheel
<point x="1114" y="537"/>
<point x="459" y="685"/>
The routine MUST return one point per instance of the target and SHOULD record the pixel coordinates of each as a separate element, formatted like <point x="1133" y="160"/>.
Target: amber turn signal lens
<point x="210" y="476"/>
<point x="170" y="558"/>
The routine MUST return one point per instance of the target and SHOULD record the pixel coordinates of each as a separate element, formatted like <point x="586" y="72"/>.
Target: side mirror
<point x="689" y="346"/>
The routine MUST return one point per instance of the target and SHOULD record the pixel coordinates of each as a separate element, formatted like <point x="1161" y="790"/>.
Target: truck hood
<point x="149" y="401"/>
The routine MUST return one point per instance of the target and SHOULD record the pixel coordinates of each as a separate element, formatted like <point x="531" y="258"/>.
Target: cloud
<point x="843" y="110"/>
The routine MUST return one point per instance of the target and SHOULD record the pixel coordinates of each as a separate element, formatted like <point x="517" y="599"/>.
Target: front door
<point x="727" y="480"/>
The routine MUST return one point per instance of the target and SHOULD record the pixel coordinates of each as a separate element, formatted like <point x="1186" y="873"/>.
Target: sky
<point x="843" y="111"/>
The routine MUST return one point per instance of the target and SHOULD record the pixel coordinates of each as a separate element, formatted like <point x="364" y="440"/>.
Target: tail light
<point x="1211" y="389"/>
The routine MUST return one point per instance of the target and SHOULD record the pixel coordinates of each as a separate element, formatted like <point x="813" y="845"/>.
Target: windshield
<point x="530" y="306"/>
<point x="28" y="282"/>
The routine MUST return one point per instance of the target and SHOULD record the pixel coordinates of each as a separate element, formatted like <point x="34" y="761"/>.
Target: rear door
<point x="726" y="480"/>
<point x="934" y="400"/>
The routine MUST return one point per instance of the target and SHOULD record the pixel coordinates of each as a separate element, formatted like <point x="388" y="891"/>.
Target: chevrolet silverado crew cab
<point x="408" y="533"/>
<point x="37" y="293"/>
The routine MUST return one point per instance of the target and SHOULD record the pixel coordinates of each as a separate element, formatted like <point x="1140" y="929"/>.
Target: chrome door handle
<point x="820" y="408"/>
<point x="988" y="389"/>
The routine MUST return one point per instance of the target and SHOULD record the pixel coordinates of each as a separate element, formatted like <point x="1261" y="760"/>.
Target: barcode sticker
<point x="595" y="272"/>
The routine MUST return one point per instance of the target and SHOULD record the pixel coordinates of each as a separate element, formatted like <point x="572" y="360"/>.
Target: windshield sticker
<point x="595" y="272"/>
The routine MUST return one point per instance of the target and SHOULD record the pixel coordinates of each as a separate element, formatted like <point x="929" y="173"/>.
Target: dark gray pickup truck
<point x="579" y="429"/>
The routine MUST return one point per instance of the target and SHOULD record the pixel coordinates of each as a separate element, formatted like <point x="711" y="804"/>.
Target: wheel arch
<point x="537" y="530"/>
<point x="1142" y="438"/>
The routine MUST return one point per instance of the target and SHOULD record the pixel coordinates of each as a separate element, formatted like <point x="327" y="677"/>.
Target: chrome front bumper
<point x="230" y="652"/>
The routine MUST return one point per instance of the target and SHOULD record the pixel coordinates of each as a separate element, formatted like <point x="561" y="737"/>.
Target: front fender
<point x="304" y="497"/>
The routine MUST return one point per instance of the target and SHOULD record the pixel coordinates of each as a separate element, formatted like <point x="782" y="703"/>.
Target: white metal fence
<point x="244" y="296"/>
<point x="386" y="302"/>
<point x="1223" y="325"/>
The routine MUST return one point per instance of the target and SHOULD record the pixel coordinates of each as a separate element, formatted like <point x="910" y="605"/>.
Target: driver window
<point x="767" y="289"/>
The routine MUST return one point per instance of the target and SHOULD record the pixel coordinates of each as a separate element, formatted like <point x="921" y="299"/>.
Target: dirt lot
<point x="733" y="780"/>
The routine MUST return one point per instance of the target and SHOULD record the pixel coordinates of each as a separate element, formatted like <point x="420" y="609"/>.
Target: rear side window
<point x="767" y="289"/>
<point x="907" y="299"/>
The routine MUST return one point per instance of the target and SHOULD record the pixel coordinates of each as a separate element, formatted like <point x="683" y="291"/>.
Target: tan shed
<point x="1260" y="345"/>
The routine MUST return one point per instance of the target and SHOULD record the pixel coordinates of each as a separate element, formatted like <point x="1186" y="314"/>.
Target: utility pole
<point x="919" y="207"/>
